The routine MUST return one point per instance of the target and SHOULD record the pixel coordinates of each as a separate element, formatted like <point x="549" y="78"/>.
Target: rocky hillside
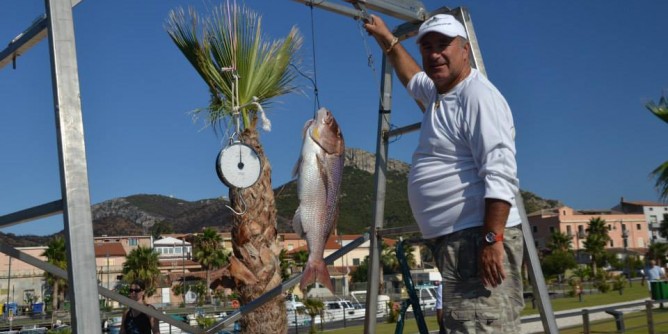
<point x="155" y="214"/>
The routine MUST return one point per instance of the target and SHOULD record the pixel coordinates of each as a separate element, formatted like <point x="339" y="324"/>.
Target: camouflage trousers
<point x="468" y="306"/>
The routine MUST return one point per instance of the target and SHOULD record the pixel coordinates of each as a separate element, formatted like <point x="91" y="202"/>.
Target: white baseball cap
<point x="444" y="24"/>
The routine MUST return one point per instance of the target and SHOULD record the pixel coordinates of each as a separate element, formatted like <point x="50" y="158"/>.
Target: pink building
<point x="626" y="231"/>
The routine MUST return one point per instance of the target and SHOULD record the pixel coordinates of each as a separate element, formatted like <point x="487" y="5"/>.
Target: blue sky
<point x="575" y="73"/>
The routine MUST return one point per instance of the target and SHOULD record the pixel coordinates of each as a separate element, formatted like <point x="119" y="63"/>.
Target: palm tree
<point x="657" y="251"/>
<point x="300" y="258"/>
<point x="232" y="38"/>
<point x="661" y="172"/>
<point x="560" y="242"/>
<point x="56" y="254"/>
<point x="210" y="254"/>
<point x="597" y="238"/>
<point x="313" y="308"/>
<point x="142" y="263"/>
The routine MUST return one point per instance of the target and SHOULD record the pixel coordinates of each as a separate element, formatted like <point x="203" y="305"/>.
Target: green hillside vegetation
<point x="124" y="216"/>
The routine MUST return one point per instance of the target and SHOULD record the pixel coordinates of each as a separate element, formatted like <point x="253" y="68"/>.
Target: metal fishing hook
<point x="243" y="205"/>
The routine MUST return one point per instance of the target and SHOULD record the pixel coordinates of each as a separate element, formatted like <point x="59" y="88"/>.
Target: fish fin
<point x="306" y="126"/>
<point x="324" y="172"/>
<point x="297" y="223"/>
<point x="316" y="271"/>
<point x="295" y="170"/>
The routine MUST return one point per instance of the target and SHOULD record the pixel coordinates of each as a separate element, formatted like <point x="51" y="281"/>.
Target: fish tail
<point x="316" y="271"/>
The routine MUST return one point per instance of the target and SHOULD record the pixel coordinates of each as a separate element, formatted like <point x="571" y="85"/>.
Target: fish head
<point x="326" y="133"/>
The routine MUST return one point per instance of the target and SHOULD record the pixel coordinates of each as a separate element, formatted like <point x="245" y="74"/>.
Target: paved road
<point x="533" y="324"/>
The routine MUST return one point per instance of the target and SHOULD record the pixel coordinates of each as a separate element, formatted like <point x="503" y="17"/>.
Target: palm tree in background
<point x="209" y="253"/>
<point x="232" y="38"/>
<point x="142" y="263"/>
<point x="597" y="238"/>
<point x="661" y="172"/>
<point x="313" y="307"/>
<point x="560" y="242"/>
<point x="657" y="251"/>
<point x="56" y="254"/>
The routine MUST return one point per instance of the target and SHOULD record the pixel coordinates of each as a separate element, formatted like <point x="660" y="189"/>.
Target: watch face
<point x="490" y="237"/>
<point x="238" y="165"/>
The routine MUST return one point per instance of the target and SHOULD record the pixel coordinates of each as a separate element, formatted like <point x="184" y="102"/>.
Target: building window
<point x="609" y="227"/>
<point x="651" y="209"/>
<point x="581" y="229"/>
<point x="568" y="230"/>
<point x="133" y="242"/>
<point x="612" y="243"/>
<point x="551" y="229"/>
<point x="638" y="227"/>
<point x="356" y="262"/>
<point x="652" y="219"/>
<point x="623" y="227"/>
<point x="535" y="229"/>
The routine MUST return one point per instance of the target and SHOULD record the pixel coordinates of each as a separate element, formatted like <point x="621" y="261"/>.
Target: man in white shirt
<point x="463" y="177"/>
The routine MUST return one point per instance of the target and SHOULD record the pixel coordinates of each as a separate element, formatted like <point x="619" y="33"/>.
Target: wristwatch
<point x="491" y="238"/>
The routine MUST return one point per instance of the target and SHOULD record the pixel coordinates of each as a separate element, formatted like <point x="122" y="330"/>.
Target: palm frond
<point x="232" y="37"/>
<point x="661" y="175"/>
<point x="660" y="110"/>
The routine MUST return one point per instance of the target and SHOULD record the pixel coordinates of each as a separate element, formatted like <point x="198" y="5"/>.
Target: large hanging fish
<point x="319" y="171"/>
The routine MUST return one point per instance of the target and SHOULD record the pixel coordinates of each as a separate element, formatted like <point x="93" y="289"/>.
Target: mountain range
<point x="156" y="214"/>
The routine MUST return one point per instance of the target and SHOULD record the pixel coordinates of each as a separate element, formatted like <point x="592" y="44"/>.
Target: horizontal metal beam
<point x="56" y="271"/>
<point x="397" y="230"/>
<point x="285" y="286"/>
<point x="402" y="130"/>
<point x="37" y="212"/>
<point x="407" y="10"/>
<point x="26" y="40"/>
<point x="335" y="8"/>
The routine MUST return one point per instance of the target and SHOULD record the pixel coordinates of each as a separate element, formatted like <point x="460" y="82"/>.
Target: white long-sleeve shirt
<point x="466" y="153"/>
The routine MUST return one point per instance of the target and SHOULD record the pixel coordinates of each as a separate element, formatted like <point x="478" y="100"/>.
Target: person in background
<point x="136" y="322"/>
<point x="439" y="307"/>
<point x="652" y="273"/>
<point x="463" y="182"/>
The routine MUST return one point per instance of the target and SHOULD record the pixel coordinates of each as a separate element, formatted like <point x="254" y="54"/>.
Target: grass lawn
<point x="634" y="323"/>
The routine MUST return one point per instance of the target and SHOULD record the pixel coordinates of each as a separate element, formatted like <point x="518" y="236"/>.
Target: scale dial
<point x="238" y="165"/>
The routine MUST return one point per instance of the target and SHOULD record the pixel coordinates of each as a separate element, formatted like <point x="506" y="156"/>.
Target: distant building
<point x="654" y="213"/>
<point x="627" y="231"/>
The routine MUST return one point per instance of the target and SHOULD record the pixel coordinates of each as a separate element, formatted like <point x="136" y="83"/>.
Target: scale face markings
<point x="238" y="165"/>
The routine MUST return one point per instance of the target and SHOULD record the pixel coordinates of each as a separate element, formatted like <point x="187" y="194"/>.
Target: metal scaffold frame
<point x="58" y="25"/>
<point x="414" y="13"/>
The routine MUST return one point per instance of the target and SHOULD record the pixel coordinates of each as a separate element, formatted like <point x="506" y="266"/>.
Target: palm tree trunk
<point x="54" y="296"/>
<point x="208" y="286"/>
<point x="254" y="245"/>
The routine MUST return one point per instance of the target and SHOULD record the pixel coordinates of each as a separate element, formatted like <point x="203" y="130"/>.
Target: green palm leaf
<point x="231" y="37"/>
<point x="660" y="110"/>
<point x="661" y="175"/>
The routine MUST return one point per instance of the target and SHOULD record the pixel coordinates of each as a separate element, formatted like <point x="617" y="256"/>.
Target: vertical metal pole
<point x="183" y="275"/>
<point x="73" y="169"/>
<point x="9" y="280"/>
<point x="373" y="275"/>
<point x="535" y="272"/>
<point x="650" y="317"/>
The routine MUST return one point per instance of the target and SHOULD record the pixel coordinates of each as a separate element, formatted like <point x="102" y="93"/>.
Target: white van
<point x="359" y="300"/>
<point x="427" y="297"/>
<point x="296" y="312"/>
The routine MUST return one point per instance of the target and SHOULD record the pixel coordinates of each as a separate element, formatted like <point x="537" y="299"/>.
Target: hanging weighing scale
<point x="238" y="165"/>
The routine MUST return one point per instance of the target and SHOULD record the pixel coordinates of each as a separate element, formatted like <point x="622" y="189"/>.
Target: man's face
<point x="444" y="59"/>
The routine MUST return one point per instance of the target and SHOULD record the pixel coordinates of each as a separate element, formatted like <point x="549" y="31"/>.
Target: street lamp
<point x="625" y="236"/>
<point x="581" y="234"/>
